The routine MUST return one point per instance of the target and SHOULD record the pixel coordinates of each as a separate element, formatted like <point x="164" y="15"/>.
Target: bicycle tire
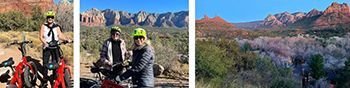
<point x="67" y="77"/>
<point x="28" y="77"/>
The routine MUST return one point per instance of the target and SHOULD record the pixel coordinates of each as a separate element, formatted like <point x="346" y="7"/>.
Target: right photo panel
<point x="272" y="44"/>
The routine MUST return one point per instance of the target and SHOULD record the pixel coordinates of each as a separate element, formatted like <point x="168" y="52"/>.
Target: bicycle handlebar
<point x="54" y="46"/>
<point x="20" y="43"/>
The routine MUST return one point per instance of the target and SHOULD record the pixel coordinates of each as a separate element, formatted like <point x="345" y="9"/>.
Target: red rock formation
<point x="216" y="23"/>
<point x="271" y="20"/>
<point x="90" y="20"/>
<point x="313" y="12"/>
<point x="334" y="15"/>
<point x="337" y="8"/>
<point x="92" y="17"/>
<point x="25" y="6"/>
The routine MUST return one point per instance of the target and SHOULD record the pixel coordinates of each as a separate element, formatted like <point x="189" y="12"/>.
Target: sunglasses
<point x="138" y="37"/>
<point x="115" y="33"/>
<point x="48" y="17"/>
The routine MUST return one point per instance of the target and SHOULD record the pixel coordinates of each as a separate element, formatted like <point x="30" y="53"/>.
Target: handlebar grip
<point x="66" y="42"/>
<point x="27" y="41"/>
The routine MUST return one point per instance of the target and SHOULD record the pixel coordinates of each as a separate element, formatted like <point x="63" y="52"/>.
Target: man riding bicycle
<point x="50" y="34"/>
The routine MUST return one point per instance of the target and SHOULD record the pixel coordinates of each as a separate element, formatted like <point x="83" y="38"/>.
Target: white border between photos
<point x="76" y="44"/>
<point x="192" y="39"/>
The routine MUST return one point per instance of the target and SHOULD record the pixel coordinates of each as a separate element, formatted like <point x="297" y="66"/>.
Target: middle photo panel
<point x="134" y="43"/>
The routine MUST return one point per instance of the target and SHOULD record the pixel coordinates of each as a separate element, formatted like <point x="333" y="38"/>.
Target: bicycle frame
<point x="107" y="82"/>
<point x="59" y="81"/>
<point x="110" y="84"/>
<point x="18" y="75"/>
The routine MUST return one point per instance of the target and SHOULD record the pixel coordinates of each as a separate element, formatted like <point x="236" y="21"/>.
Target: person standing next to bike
<point x="50" y="34"/>
<point x="113" y="50"/>
<point x="141" y="70"/>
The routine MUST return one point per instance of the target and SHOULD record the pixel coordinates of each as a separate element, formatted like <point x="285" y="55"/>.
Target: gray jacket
<point x="142" y="67"/>
<point x="106" y="50"/>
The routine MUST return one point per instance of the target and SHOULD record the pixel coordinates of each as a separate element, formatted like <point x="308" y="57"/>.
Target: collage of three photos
<point x="174" y="44"/>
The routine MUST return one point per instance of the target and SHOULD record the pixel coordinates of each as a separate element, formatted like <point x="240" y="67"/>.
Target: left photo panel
<point x="36" y="43"/>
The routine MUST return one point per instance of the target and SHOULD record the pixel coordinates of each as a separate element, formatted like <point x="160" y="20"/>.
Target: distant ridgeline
<point x="334" y="21"/>
<point x="95" y="17"/>
<point x="334" y="16"/>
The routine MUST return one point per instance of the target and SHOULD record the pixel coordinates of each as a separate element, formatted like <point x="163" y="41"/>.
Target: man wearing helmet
<point x="113" y="50"/>
<point x="50" y="33"/>
<point x="141" y="70"/>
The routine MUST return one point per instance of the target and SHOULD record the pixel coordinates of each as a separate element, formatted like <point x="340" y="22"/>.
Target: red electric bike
<point x="24" y="75"/>
<point x="62" y="76"/>
<point x="106" y="75"/>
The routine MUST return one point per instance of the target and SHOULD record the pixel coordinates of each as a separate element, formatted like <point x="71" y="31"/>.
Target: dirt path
<point x="6" y="53"/>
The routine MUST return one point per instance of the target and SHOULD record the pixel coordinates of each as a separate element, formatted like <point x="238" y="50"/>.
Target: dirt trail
<point x="6" y="53"/>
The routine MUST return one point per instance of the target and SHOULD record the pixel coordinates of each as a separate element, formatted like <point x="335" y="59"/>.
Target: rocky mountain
<point x="216" y="23"/>
<point x="335" y="14"/>
<point x="25" y="6"/>
<point x="313" y="12"/>
<point x="95" y="17"/>
<point x="282" y="19"/>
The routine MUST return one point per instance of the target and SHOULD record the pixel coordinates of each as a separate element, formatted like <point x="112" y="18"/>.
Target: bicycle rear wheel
<point x="67" y="78"/>
<point x="29" y="75"/>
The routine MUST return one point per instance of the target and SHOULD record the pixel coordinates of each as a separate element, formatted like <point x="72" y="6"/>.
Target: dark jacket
<point x="142" y="67"/>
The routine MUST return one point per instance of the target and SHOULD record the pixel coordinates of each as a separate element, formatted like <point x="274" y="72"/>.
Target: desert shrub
<point x="223" y="60"/>
<point x="342" y="78"/>
<point x="211" y="60"/>
<point x="12" y="21"/>
<point x="280" y="82"/>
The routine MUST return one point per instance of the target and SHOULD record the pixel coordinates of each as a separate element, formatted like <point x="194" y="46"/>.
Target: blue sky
<point x="252" y="10"/>
<point x="134" y="6"/>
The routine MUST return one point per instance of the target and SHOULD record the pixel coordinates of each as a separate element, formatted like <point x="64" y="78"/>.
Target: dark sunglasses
<point x="52" y="17"/>
<point x="138" y="37"/>
<point x="115" y="33"/>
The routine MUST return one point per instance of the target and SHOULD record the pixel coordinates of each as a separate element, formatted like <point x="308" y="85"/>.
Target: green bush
<point x="316" y="66"/>
<point x="12" y="21"/>
<point x="280" y="82"/>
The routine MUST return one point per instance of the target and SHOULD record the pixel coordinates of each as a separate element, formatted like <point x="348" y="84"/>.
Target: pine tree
<point x="317" y="66"/>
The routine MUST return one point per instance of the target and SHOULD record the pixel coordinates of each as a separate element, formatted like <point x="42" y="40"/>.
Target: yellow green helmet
<point x="139" y="32"/>
<point x="116" y="28"/>
<point x="49" y="13"/>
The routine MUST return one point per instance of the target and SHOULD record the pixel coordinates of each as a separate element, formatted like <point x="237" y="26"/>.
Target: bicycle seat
<point x="8" y="62"/>
<point x="94" y="70"/>
<point x="52" y="66"/>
